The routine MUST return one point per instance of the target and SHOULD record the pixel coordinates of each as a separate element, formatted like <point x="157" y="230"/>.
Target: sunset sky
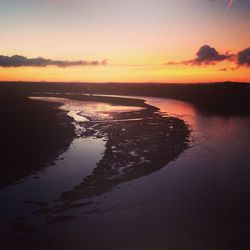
<point x="125" y="40"/>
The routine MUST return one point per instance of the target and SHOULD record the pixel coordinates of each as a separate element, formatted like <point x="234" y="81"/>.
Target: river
<point x="199" y="201"/>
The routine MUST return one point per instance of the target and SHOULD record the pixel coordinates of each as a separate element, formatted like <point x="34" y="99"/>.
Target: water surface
<point x="199" y="201"/>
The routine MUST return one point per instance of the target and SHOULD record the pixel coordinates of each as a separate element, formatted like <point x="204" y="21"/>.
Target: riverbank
<point x="138" y="143"/>
<point x="37" y="131"/>
<point x="32" y="135"/>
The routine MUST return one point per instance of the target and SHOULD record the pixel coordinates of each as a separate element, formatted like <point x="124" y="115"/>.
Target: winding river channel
<point x="201" y="200"/>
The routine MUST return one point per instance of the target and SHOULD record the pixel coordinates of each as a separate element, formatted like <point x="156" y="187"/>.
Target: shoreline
<point x="138" y="144"/>
<point x="134" y="148"/>
<point x="35" y="134"/>
<point x="61" y="118"/>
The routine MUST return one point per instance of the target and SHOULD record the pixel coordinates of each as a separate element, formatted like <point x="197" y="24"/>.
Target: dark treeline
<point x="225" y="98"/>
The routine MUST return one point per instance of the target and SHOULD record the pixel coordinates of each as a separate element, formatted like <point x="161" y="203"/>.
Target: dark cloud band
<point x="206" y="55"/>
<point x="243" y="57"/>
<point x="209" y="55"/>
<point x="21" y="61"/>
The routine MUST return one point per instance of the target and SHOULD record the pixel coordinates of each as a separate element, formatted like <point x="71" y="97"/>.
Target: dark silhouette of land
<point x="225" y="98"/>
<point x="138" y="144"/>
<point x="32" y="133"/>
<point x="35" y="132"/>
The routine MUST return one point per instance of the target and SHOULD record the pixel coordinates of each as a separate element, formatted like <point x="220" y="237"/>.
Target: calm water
<point x="199" y="201"/>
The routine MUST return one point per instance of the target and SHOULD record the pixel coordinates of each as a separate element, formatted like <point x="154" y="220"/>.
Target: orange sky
<point x="124" y="74"/>
<point x="135" y="37"/>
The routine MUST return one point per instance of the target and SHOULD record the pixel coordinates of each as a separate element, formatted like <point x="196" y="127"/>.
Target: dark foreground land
<point x="32" y="133"/>
<point x="138" y="144"/>
<point x="227" y="98"/>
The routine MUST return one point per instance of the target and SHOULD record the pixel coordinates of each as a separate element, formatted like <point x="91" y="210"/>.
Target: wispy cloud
<point x="22" y="61"/>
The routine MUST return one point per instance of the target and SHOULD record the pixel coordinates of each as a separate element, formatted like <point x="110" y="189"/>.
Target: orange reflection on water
<point x="173" y="107"/>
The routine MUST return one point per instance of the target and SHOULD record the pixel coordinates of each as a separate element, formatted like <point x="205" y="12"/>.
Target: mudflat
<point x="32" y="134"/>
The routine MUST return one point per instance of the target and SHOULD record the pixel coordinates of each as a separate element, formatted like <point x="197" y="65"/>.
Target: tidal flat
<point x="137" y="140"/>
<point x="32" y="135"/>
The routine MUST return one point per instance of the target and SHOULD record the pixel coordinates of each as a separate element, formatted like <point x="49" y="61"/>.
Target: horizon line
<point x="77" y="82"/>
